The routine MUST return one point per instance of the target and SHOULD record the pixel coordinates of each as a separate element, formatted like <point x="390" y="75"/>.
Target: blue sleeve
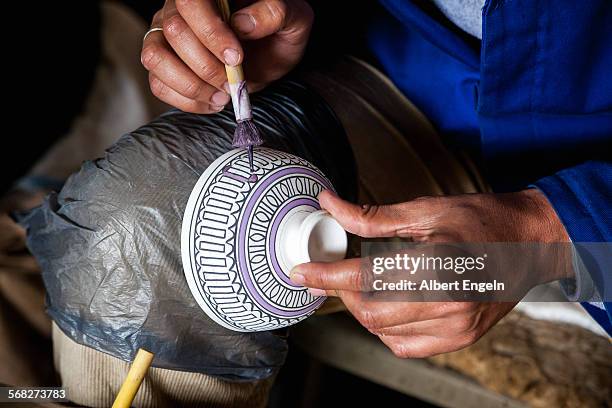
<point x="582" y="198"/>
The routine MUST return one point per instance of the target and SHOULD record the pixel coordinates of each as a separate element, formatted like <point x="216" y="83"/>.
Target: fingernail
<point x="316" y="292"/>
<point x="297" y="278"/>
<point x="244" y="23"/>
<point x="219" y="98"/>
<point x="231" y="56"/>
<point x="226" y="87"/>
<point x="216" y="108"/>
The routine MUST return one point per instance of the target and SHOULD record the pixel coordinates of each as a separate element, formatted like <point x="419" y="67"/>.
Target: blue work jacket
<point x="532" y="101"/>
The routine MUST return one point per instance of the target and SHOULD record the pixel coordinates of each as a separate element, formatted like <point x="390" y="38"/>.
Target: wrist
<point x="542" y="223"/>
<point x="550" y="234"/>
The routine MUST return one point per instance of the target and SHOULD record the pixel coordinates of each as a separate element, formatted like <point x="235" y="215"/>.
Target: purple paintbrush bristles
<point x="247" y="135"/>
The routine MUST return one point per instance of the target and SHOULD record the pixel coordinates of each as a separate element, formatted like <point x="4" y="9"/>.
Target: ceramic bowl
<point x="244" y="230"/>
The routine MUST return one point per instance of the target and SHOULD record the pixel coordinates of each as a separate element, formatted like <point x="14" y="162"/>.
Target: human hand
<point x="186" y="60"/>
<point x="422" y="329"/>
<point x="14" y="256"/>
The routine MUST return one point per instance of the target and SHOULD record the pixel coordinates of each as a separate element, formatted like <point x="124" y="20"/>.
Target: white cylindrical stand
<point x="310" y="236"/>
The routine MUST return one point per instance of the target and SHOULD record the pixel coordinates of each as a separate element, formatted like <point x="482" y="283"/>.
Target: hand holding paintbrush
<point x="188" y="45"/>
<point x="246" y="134"/>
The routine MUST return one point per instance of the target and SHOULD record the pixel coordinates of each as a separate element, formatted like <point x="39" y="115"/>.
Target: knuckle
<point x="379" y="332"/>
<point x="158" y="88"/>
<point x="192" y="89"/>
<point x="151" y="56"/>
<point x="365" y="217"/>
<point x="368" y="319"/>
<point x="468" y="338"/>
<point x="174" y="26"/>
<point x="465" y="323"/>
<point x="211" y="74"/>
<point x="318" y="280"/>
<point x="403" y="350"/>
<point x="277" y="11"/>
<point x="299" y="20"/>
<point x="210" y="33"/>
<point x="388" y="331"/>
<point x="355" y="280"/>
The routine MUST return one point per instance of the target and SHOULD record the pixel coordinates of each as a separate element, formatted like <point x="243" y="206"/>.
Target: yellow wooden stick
<point x="134" y="378"/>
<point x="235" y="76"/>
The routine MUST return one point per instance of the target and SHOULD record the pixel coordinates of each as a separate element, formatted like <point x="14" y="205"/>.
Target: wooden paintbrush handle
<point x="225" y="10"/>
<point x="235" y="77"/>
<point x="134" y="378"/>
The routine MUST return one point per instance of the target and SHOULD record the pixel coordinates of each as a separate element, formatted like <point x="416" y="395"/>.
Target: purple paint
<point x="288" y="206"/>
<point x="230" y="229"/>
<point x="241" y="240"/>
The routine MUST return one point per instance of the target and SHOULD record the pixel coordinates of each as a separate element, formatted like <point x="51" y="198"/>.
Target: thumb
<point x="292" y="20"/>
<point x="371" y="221"/>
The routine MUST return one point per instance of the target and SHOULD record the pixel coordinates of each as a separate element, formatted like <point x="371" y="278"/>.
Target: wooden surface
<point x="544" y="363"/>
<point x="339" y="341"/>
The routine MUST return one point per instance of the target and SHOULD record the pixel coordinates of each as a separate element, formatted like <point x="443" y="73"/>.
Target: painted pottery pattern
<point x="229" y="239"/>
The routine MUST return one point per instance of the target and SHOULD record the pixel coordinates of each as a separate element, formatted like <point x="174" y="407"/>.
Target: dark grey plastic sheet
<point x="109" y="242"/>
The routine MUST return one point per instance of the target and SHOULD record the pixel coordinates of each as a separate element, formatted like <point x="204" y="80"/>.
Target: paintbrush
<point x="134" y="378"/>
<point x="246" y="134"/>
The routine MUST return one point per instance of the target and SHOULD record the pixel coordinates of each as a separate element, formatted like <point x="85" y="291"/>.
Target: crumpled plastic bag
<point x="109" y="242"/>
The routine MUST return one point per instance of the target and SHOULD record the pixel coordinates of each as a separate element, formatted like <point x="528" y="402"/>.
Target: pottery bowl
<point x="244" y="230"/>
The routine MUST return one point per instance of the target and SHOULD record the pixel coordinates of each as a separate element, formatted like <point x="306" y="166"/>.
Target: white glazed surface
<point x="310" y="236"/>
<point x="322" y="239"/>
<point x="233" y="211"/>
<point x="289" y="247"/>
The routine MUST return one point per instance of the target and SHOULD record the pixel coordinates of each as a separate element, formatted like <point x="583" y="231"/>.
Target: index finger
<point x="375" y="221"/>
<point x="204" y="19"/>
<point x="376" y="314"/>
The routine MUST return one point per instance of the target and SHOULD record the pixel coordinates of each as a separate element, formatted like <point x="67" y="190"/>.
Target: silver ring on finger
<point x="152" y="30"/>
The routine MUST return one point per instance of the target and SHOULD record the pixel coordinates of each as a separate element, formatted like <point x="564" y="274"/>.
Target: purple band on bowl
<point x="287" y="206"/>
<point x="242" y="236"/>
